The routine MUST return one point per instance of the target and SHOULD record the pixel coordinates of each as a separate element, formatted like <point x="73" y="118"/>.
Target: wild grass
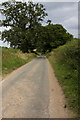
<point x="14" y="58"/>
<point x="64" y="60"/>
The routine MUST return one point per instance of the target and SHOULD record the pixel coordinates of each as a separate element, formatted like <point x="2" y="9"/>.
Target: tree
<point x="23" y="18"/>
<point x="49" y="22"/>
<point x="26" y="31"/>
<point x="52" y="36"/>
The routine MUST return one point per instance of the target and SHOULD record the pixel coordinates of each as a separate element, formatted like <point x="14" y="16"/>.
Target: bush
<point x="69" y="53"/>
<point x="64" y="61"/>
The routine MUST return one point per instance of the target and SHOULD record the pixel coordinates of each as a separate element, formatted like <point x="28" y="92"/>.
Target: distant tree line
<point x="27" y="32"/>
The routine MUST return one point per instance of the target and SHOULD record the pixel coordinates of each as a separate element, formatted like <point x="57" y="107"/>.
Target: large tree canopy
<point x="23" y="18"/>
<point x="52" y="36"/>
<point x="23" y="15"/>
<point x="27" y="32"/>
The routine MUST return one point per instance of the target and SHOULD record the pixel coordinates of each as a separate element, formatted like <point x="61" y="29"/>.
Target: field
<point x="64" y="60"/>
<point x="14" y="58"/>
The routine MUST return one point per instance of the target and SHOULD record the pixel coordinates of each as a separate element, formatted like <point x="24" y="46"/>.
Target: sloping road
<point x="28" y="93"/>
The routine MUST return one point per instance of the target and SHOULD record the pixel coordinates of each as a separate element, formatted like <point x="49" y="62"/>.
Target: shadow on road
<point x="41" y="57"/>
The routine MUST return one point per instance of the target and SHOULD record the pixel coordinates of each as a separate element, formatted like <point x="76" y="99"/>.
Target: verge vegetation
<point x="64" y="60"/>
<point x="14" y="58"/>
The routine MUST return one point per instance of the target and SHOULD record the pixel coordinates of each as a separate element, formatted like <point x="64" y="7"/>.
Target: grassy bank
<point x="64" y="60"/>
<point x="14" y="58"/>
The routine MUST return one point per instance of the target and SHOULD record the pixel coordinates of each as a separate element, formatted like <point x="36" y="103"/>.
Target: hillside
<point x="14" y="58"/>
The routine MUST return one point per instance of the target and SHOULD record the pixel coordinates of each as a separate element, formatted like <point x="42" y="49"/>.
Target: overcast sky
<point x="65" y="13"/>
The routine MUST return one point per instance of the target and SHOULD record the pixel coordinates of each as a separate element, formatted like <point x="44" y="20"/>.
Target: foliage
<point x="64" y="60"/>
<point x="19" y="14"/>
<point x="69" y="54"/>
<point x="52" y="36"/>
<point x="27" y="32"/>
<point x="23" y="18"/>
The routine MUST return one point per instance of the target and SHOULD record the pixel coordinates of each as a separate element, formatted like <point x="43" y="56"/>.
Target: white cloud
<point x="44" y="0"/>
<point x="71" y="23"/>
<point x="65" y="14"/>
<point x="4" y="44"/>
<point x="4" y="28"/>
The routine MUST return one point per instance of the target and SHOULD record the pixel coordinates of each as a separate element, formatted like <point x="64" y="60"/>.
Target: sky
<point x="65" y="13"/>
<point x="59" y="12"/>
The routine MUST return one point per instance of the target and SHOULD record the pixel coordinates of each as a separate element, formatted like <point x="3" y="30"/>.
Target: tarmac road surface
<point x="33" y="92"/>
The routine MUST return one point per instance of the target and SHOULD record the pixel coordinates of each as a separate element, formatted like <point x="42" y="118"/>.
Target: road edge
<point x="56" y="105"/>
<point x="3" y="79"/>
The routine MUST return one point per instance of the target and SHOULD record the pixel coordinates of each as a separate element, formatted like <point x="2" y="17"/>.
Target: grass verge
<point x="64" y="61"/>
<point x="14" y="58"/>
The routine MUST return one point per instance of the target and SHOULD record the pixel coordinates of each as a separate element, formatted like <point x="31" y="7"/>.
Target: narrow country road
<point x="32" y="91"/>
